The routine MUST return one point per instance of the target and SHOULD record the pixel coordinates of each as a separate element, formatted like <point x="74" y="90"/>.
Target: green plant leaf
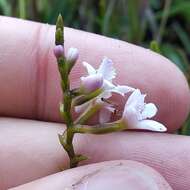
<point x="6" y="7"/>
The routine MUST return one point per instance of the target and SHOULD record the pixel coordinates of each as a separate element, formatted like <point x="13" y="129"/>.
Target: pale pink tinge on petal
<point x="110" y="108"/>
<point x="136" y="100"/>
<point x="58" y="51"/>
<point x="104" y="115"/>
<point x="91" y="83"/>
<point x="105" y="94"/>
<point x="134" y="97"/>
<point x="82" y="108"/>
<point x="130" y="116"/>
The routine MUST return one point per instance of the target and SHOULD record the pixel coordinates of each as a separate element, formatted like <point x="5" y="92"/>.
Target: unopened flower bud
<point x="91" y="83"/>
<point x="72" y="55"/>
<point x="58" y="51"/>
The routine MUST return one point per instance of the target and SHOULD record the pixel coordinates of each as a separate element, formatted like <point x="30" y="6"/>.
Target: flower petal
<point x="136" y="100"/>
<point x="104" y="115"/>
<point x="122" y="89"/>
<point x="149" y="125"/>
<point x="134" y="97"/>
<point x="132" y="100"/>
<point x="106" y="69"/>
<point x="89" y="68"/>
<point x="130" y="116"/>
<point x="149" y="111"/>
<point x="91" y="83"/>
<point x="105" y="94"/>
<point x="108" y="85"/>
<point x="111" y="109"/>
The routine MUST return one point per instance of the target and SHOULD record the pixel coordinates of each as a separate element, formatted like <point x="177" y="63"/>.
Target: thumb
<point x="110" y="175"/>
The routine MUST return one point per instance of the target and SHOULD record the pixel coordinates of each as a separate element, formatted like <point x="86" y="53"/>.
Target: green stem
<point x="85" y="98"/>
<point x="101" y="129"/>
<point x="70" y="150"/>
<point x="67" y="99"/>
<point x="67" y="142"/>
<point x="67" y="96"/>
<point x="22" y="9"/>
<point x="66" y="139"/>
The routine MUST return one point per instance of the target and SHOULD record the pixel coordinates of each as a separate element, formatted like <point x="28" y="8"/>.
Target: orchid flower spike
<point x="102" y="78"/>
<point x="137" y="113"/>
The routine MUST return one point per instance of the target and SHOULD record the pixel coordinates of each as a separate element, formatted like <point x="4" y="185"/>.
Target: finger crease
<point x="41" y="73"/>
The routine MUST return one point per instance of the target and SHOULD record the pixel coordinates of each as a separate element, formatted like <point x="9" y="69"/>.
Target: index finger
<point x="29" y="80"/>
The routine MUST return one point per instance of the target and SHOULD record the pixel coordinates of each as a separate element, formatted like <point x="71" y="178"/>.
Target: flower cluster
<point x="136" y="114"/>
<point x="93" y="97"/>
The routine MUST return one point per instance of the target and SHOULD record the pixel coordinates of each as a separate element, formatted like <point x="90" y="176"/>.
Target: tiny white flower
<point x="107" y="72"/>
<point x="137" y="113"/>
<point x="72" y="55"/>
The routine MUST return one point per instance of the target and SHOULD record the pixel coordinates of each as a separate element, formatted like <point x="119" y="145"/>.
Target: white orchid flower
<point x="137" y="113"/>
<point x="105" y="72"/>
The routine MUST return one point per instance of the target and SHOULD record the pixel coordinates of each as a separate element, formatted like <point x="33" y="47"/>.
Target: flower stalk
<point x="66" y="139"/>
<point x="101" y="129"/>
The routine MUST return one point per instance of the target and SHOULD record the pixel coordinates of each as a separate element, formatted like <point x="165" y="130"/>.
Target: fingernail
<point x="121" y="177"/>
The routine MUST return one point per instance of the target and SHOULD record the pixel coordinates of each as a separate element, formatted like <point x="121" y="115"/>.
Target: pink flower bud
<point x="72" y="55"/>
<point x="91" y="83"/>
<point x="58" y="51"/>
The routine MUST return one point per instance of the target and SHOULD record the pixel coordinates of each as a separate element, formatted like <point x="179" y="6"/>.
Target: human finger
<point x="30" y="150"/>
<point x="107" y="175"/>
<point x="30" y="83"/>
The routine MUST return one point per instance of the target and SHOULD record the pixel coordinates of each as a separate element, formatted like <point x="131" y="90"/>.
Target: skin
<point x="98" y="176"/>
<point x="29" y="86"/>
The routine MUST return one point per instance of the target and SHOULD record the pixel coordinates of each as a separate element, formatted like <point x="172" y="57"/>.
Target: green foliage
<point x="136" y="21"/>
<point x="154" y="46"/>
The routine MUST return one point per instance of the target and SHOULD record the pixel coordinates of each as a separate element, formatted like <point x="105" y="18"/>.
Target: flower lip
<point x="151" y="125"/>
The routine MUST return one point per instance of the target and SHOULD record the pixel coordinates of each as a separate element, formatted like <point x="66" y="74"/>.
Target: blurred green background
<point x="162" y="25"/>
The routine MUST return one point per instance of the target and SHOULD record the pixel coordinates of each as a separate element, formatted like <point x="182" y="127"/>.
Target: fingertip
<point x="107" y="175"/>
